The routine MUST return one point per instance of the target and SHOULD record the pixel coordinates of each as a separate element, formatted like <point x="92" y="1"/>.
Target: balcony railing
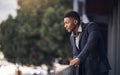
<point x="70" y="70"/>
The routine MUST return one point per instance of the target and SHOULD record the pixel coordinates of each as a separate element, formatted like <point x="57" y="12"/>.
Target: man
<point x="89" y="54"/>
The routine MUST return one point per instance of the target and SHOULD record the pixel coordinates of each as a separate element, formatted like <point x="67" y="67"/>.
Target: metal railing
<point x="70" y="70"/>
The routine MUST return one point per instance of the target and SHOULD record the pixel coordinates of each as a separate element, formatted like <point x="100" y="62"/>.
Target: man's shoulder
<point x="91" y="26"/>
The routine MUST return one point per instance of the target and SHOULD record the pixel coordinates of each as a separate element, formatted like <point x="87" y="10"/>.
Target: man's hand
<point x="75" y="62"/>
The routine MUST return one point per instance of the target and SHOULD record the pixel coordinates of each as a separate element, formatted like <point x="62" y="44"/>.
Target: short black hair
<point x="74" y="15"/>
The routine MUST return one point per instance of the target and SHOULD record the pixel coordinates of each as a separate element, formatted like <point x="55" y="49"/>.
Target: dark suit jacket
<point x="91" y="50"/>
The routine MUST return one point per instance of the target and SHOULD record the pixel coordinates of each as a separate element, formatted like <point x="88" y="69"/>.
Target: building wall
<point x="107" y="14"/>
<point x="114" y="40"/>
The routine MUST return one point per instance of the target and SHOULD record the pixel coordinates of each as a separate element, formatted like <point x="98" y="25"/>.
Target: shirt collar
<point x="79" y="31"/>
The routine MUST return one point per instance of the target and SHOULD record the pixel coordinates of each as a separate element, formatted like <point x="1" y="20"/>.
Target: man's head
<point x="71" y="21"/>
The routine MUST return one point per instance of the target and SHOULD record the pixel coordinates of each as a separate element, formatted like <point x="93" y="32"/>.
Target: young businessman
<point x="89" y="54"/>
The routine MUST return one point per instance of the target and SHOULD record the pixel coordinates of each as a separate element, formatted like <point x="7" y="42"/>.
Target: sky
<point x="8" y="7"/>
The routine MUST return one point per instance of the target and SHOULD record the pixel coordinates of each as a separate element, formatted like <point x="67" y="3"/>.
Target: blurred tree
<point x="37" y="34"/>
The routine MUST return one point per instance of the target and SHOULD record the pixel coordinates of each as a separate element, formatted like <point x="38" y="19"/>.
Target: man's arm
<point x="91" y="44"/>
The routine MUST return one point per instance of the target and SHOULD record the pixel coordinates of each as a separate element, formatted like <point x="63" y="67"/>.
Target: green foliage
<point x="37" y="35"/>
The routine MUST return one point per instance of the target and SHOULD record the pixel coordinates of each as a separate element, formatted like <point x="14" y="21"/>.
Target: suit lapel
<point x="81" y="36"/>
<point x="74" y="45"/>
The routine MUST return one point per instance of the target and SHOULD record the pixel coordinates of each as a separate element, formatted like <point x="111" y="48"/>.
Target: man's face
<point x="69" y="24"/>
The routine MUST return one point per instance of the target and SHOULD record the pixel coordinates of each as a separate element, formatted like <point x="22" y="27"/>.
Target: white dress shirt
<point x="78" y="36"/>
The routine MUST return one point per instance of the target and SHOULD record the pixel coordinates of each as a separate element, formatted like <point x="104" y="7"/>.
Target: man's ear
<point x="75" y="21"/>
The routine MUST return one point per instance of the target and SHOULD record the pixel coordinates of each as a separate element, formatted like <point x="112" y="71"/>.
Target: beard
<point x="73" y="28"/>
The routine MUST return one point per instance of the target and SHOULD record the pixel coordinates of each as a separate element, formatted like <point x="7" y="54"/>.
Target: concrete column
<point x="114" y="41"/>
<point x="75" y="5"/>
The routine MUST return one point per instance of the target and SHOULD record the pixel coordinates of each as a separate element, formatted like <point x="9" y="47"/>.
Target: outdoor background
<point x="32" y="31"/>
<point x="33" y="38"/>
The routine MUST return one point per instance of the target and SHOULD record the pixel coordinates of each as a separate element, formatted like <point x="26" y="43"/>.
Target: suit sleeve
<point x="90" y="45"/>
